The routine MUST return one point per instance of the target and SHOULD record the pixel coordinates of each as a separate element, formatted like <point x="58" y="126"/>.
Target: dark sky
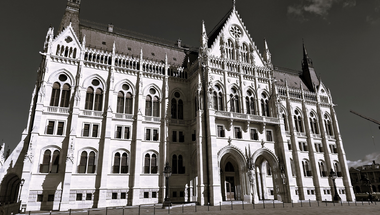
<point x="342" y="38"/>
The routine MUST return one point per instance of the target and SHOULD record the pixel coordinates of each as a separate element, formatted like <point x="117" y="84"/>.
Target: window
<point x="120" y="163"/>
<point x="52" y="129"/>
<point x="254" y="135"/>
<point x="250" y="102"/>
<point x="234" y="101"/>
<point x="218" y="98"/>
<point x="264" y="105"/>
<point x="90" y="130"/>
<point x="285" y="119"/>
<point x="230" y="50"/>
<point x="328" y="126"/>
<point x="150" y="165"/>
<point x="269" y="170"/>
<point x="60" y="94"/>
<point x="174" y="194"/>
<point x="238" y="133"/>
<point x="245" y="54"/>
<point x="122" y="132"/>
<point x="292" y="167"/>
<point x="181" y="137"/>
<point x="177" y="165"/>
<point x="269" y="135"/>
<point x="333" y="149"/>
<point x="79" y="196"/>
<point x="318" y="147"/>
<point x="152" y="102"/>
<point x="94" y="92"/>
<point x="125" y="100"/>
<point x="313" y="124"/>
<point x="123" y="195"/>
<point x="322" y="169"/>
<point x="306" y="168"/>
<point x="40" y="197"/>
<point x="50" y="163"/>
<point x="177" y="106"/>
<point x="290" y="148"/>
<point x="337" y="169"/>
<point x="193" y="136"/>
<point x="154" y="194"/>
<point x="87" y="162"/>
<point x="114" y="195"/>
<point x="221" y="132"/>
<point x="303" y="146"/>
<point x="151" y="134"/>
<point x="174" y="136"/>
<point x="88" y="196"/>
<point x="51" y="198"/>
<point x="298" y="121"/>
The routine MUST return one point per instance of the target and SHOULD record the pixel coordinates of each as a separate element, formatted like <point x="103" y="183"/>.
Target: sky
<point x="342" y="38"/>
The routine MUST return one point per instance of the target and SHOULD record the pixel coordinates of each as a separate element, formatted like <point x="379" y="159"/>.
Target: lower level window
<point x="79" y="197"/>
<point x="114" y="195"/>
<point x="146" y="195"/>
<point x="88" y="196"/>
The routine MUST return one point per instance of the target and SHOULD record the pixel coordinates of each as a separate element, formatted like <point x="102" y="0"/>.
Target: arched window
<point x="230" y="50"/>
<point x="44" y="167"/>
<point x="264" y="105"/>
<point x="292" y="167"/>
<point x="285" y="119"/>
<point x="124" y="100"/>
<point x="322" y="169"/>
<point x="269" y="170"/>
<point x="152" y="103"/>
<point x="250" y="102"/>
<point x="87" y="162"/>
<point x="55" y="162"/>
<point x="60" y="94"/>
<point x="229" y="167"/>
<point x="50" y="164"/>
<point x="313" y="124"/>
<point x="234" y="101"/>
<point x="177" y="165"/>
<point x="120" y="164"/>
<point x="337" y="169"/>
<point x="94" y="93"/>
<point x="218" y="98"/>
<point x="298" y="121"/>
<point x="328" y="125"/>
<point x="244" y="54"/>
<point x="150" y="164"/>
<point x="306" y="168"/>
<point x="177" y="106"/>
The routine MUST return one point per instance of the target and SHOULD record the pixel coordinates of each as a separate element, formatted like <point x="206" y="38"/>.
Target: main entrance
<point x="231" y="185"/>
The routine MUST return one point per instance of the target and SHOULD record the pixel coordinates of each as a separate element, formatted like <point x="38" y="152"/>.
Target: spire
<point x="204" y="38"/>
<point x="267" y="55"/>
<point x="233" y="4"/>
<point x="309" y="76"/>
<point x="306" y="62"/>
<point x="71" y="15"/>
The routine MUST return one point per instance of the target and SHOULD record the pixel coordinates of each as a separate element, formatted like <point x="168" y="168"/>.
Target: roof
<point x="292" y="77"/>
<point x="214" y="32"/>
<point x="131" y="43"/>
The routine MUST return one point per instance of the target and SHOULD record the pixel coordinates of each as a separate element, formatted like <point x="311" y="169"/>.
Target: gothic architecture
<point x="110" y="108"/>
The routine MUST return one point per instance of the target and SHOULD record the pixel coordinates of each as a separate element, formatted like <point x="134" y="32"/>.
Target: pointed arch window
<point x="337" y="169"/>
<point x="94" y="93"/>
<point x="218" y="98"/>
<point x="234" y="101"/>
<point x="124" y="100"/>
<point x="120" y="164"/>
<point x="244" y="54"/>
<point x="306" y="168"/>
<point x="87" y="162"/>
<point x="250" y="103"/>
<point x="328" y="126"/>
<point x="322" y="169"/>
<point x="292" y="167"/>
<point x="285" y="119"/>
<point x="152" y="103"/>
<point x="264" y="105"/>
<point x="298" y="121"/>
<point x="313" y="123"/>
<point x="177" y="106"/>
<point x="177" y="165"/>
<point x="230" y="50"/>
<point x="60" y="94"/>
<point x="150" y="163"/>
<point x="50" y="164"/>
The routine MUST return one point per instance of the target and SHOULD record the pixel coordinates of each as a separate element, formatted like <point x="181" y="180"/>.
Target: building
<point x="366" y="179"/>
<point x="110" y="108"/>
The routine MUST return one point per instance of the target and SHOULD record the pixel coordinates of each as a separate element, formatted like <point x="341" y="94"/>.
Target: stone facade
<point x="110" y="108"/>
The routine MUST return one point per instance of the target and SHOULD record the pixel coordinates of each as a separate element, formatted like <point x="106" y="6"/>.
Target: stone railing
<point x="53" y="109"/>
<point x="247" y="117"/>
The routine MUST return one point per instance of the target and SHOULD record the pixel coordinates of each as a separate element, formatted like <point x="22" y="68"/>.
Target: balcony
<point x="123" y="116"/>
<point x="152" y="119"/>
<point x="63" y="110"/>
<point x="246" y="117"/>
<point x="92" y="113"/>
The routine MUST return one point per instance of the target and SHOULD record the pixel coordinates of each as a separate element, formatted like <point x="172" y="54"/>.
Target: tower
<point x="71" y="15"/>
<point x="308" y="74"/>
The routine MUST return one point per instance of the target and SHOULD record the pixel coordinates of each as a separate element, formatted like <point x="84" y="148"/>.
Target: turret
<point x="308" y="74"/>
<point x="267" y="55"/>
<point x="71" y="15"/>
<point x="204" y="39"/>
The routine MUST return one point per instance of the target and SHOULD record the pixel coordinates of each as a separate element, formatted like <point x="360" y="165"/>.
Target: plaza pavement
<point x="268" y="208"/>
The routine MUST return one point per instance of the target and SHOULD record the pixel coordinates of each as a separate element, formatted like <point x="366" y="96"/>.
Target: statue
<point x="251" y="171"/>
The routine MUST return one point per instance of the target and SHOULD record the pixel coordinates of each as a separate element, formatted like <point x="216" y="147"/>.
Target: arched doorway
<point x="232" y="178"/>
<point x="9" y="189"/>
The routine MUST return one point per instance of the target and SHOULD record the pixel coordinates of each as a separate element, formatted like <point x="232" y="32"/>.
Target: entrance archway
<point x="9" y="189"/>
<point x="230" y="178"/>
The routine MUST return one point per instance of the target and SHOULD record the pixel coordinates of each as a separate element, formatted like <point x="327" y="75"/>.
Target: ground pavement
<point x="267" y="208"/>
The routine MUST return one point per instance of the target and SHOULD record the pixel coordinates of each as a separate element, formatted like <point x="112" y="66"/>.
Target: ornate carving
<point x="70" y="152"/>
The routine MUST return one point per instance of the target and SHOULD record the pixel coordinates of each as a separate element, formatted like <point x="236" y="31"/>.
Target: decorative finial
<point x="233" y="4"/>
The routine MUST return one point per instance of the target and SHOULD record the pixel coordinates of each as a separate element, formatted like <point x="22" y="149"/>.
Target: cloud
<point x="319" y="8"/>
<point x="368" y="159"/>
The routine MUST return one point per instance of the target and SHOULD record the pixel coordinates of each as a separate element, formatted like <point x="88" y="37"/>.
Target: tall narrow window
<point x="284" y="117"/>
<point x="120" y="102"/>
<point x="292" y="167"/>
<point x="98" y="100"/>
<point x="147" y="164"/>
<point x="124" y="163"/>
<point x="234" y="101"/>
<point x="91" y="163"/>
<point x="148" y="106"/>
<point x="55" y="162"/>
<point x="116" y="163"/>
<point x="269" y="135"/>
<point x="44" y="167"/>
<point x="181" y="167"/>
<point x="94" y="93"/>
<point x="50" y="127"/>
<point x="174" y="164"/>
<point x="55" y="94"/>
<point x="124" y="100"/>
<point x="89" y="98"/>
<point x="156" y="107"/>
<point x="154" y="164"/>
<point x="298" y="121"/>
<point x="250" y="102"/>
<point x="218" y="98"/>
<point x="174" y="108"/>
<point x="83" y="163"/>
<point x="313" y="124"/>
<point x="60" y="128"/>
<point x="264" y="105"/>
<point x="65" y="99"/>
<point x="128" y="103"/>
<point x="180" y="109"/>
<point x="328" y="125"/>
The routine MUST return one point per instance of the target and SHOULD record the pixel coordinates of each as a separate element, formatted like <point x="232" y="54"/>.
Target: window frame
<point x="122" y="132"/>
<point x="55" y="128"/>
<point x="91" y="130"/>
<point x="222" y="131"/>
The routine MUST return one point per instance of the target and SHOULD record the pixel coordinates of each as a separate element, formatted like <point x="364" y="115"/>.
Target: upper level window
<point x="94" y="92"/>
<point x="314" y="124"/>
<point x="306" y="168"/>
<point x="87" y="162"/>
<point x="322" y="169"/>
<point x="60" y="94"/>
<point x="150" y="163"/>
<point x="221" y="132"/>
<point x="328" y="125"/>
<point x="318" y="147"/>
<point x="245" y="53"/>
<point x="285" y="118"/>
<point x="238" y="133"/>
<point x="230" y="50"/>
<point x="122" y="132"/>
<point x="152" y="103"/>
<point x="120" y="163"/>
<point x="177" y="106"/>
<point x="337" y="169"/>
<point x="125" y="100"/>
<point x="303" y="146"/>
<point x="218" y="98"/>
<point x="234" y="101"/>
<point x="254" y="135"/>
<point x="90" y="130"/>
<point x="298" y="121"/>
<point x="264" y="105"/>
<point x="250" y="102"/>
<point x="269" y="135"/>
<point x="50" y="163"/>
<point x="55" y="128"/>
<point x="292" y="167"/>
<point x="151" y="134"/>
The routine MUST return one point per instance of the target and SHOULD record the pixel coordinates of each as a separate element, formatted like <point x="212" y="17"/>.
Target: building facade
<point x="366" y="179"/>
<point x="110" y="108"/>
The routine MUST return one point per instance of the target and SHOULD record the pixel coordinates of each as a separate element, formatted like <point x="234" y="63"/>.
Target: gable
<point x="66" y="44"/>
